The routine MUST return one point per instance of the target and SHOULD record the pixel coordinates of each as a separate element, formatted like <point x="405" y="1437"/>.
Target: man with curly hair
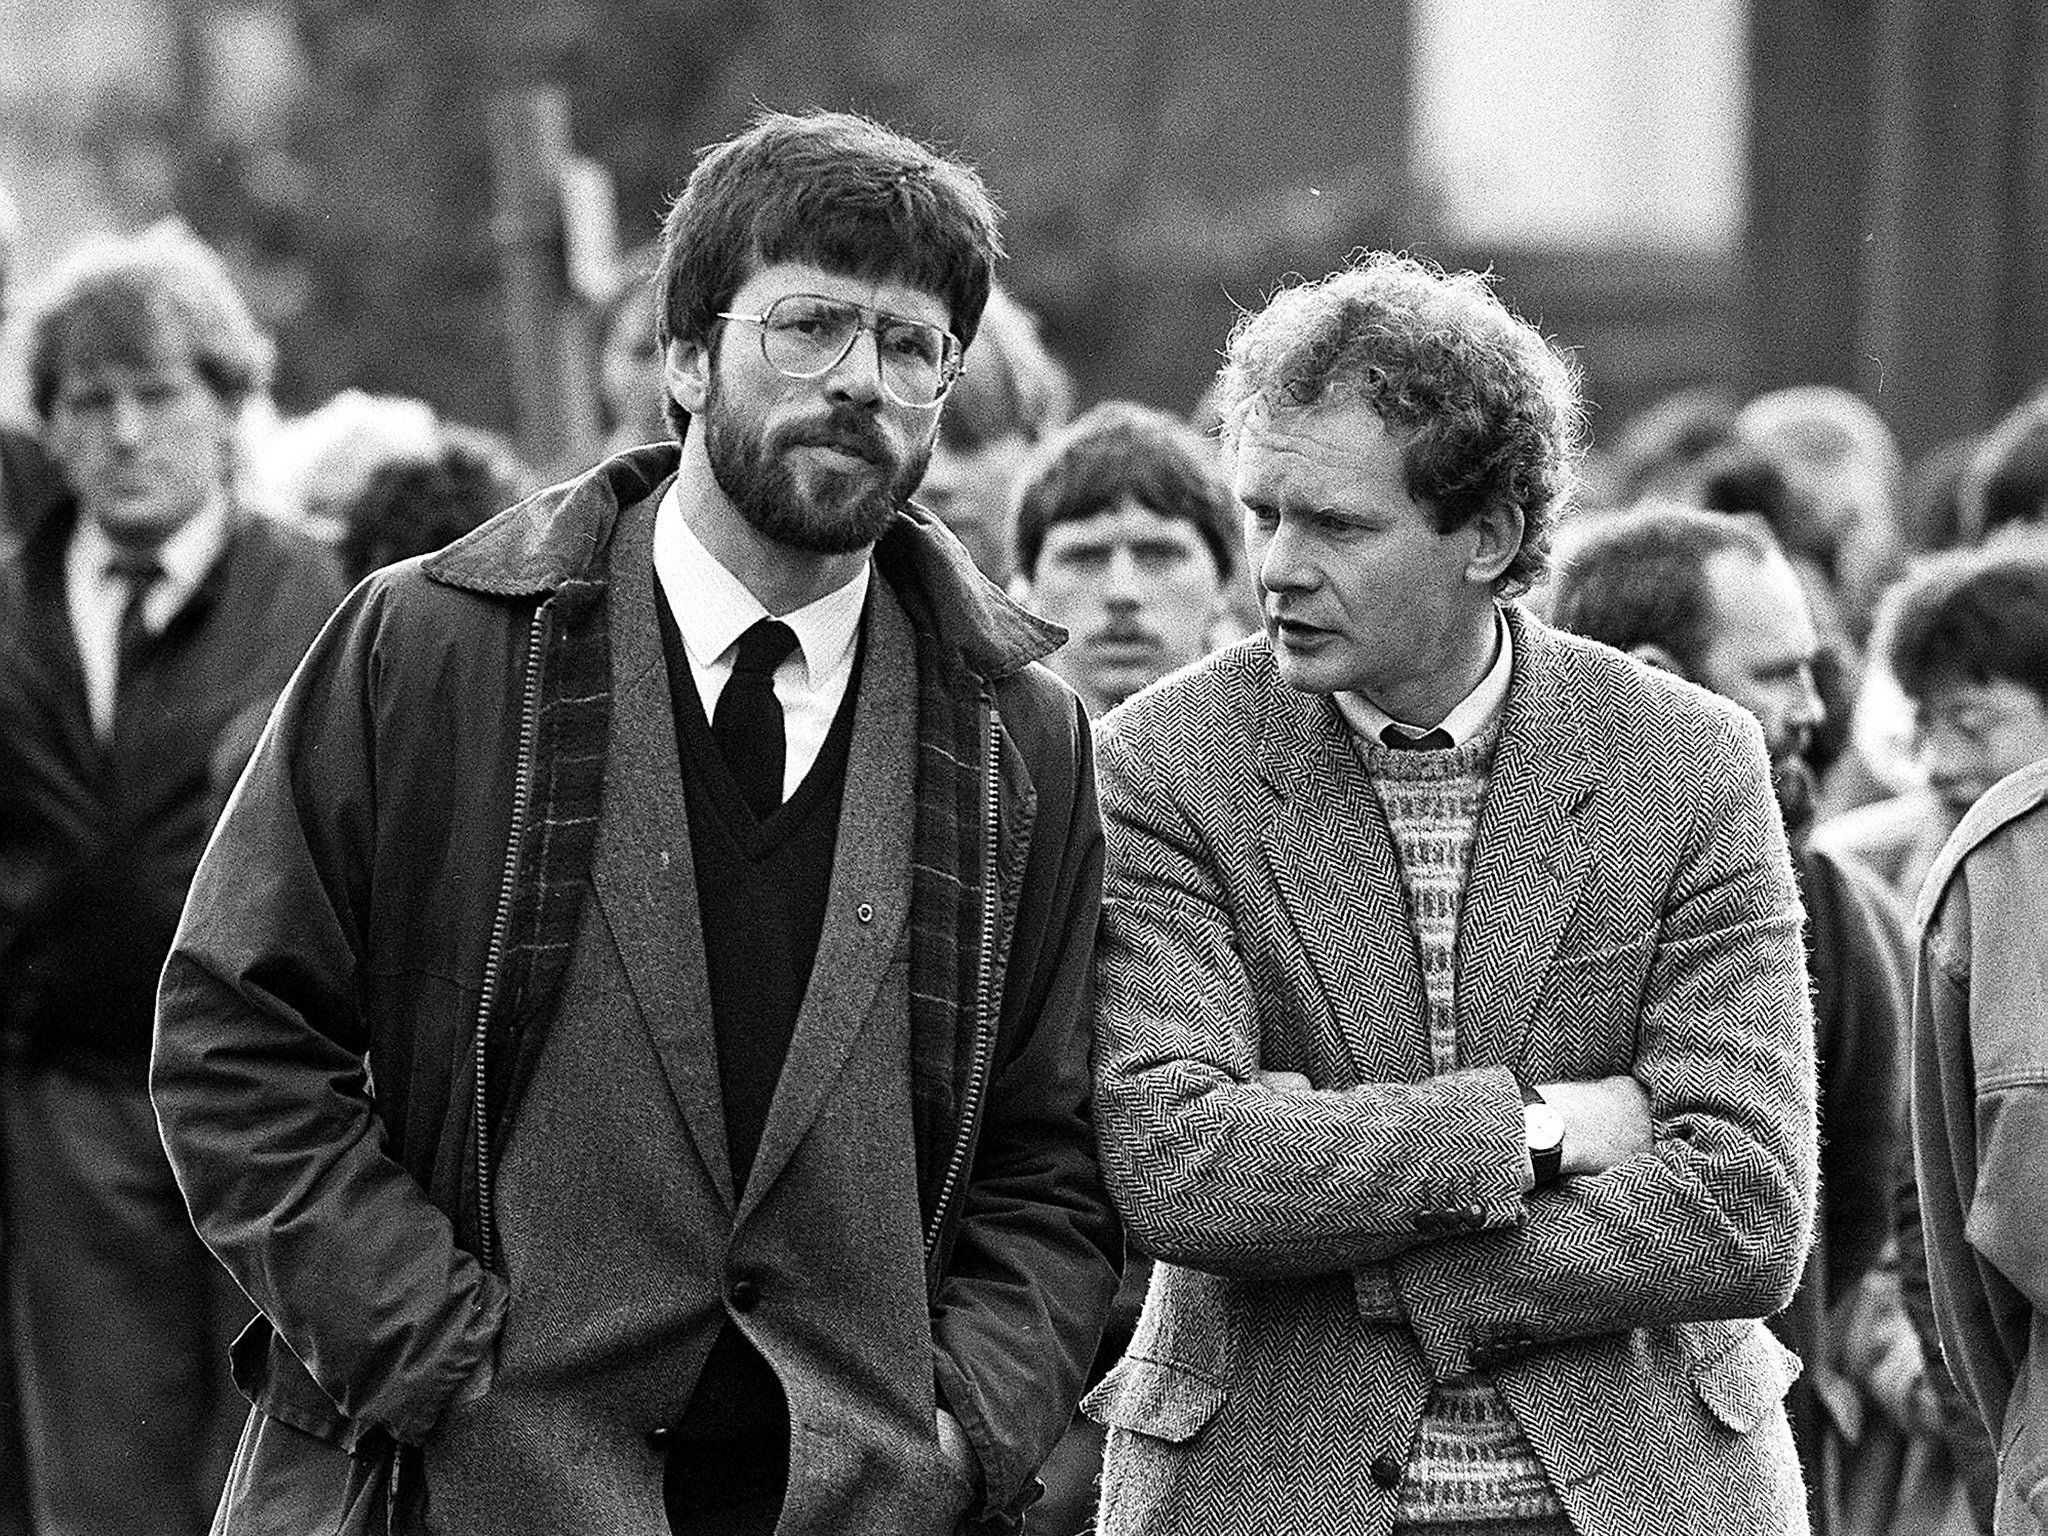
<point x="1454" y="1055"/>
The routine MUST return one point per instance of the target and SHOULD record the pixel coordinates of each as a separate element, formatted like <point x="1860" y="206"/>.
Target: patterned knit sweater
<point x="1472" y="1466"/>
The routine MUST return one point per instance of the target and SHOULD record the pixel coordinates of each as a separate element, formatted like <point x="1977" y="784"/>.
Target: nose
<point x="124" y="419"/>
<point x="1122" y="585"/>
<point x="1281" y="564"/>
<point x="1808" y="709"/>
<point x="857" y="377"/>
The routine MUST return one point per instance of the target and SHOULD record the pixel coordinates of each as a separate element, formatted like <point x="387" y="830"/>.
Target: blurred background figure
<point x="1712" y="598"/>
<point x="412" y="504"/>
<point x="29" y="482"/>
<point x="1013" y="393"/>
<point x="1126" y="534"/>
<point x="2004" y="485"/>
<point x="1659" y="453"/>
<point x="1844" y="476"/>
<point x="1965" y="635"/>
<point x="140" y="619"/>
<point x="630" y="391"/>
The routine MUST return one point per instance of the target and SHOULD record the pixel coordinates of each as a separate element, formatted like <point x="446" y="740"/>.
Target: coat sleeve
<point x="1715" y="1221"/>
<point x="1212" y="1169"/>
<point x="1035" y="1261"/>
<point x="260" y="1077"/>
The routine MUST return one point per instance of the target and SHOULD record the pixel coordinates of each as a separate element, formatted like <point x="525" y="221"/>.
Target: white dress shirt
<point x="96" y="596"/>
<point x="713" y="608"/>
<point x="1473" y="713"/>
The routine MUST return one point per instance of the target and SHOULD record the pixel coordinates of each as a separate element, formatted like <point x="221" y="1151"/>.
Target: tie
<point x="1401" y="739"/>
<point x="140" y="574"/>
<point x="748" y="722"/>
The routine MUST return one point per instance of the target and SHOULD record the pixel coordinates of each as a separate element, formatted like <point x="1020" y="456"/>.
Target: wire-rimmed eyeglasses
<point x="805" y="335"/>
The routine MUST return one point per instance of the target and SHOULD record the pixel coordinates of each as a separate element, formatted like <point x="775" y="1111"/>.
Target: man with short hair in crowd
<point x="1454" y="1051"/>
<point x="631" y="1032"/>
<point x="1125" y="536"/>
<point x="143" y="617"/>
<point x="1015" y="394"/>
<point x="1712" y="599"/>
<point x="1965" y="635"/>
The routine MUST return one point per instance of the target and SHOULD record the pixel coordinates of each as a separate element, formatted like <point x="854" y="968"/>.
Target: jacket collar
<point x="564" y="531"/>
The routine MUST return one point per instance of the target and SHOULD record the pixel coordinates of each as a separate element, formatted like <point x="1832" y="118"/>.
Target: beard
<point x="819" y="510"/>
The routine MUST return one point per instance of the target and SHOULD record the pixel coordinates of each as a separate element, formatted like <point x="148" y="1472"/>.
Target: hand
<point x="1285" y="1082"/>
<point x="1605" y="1122"/>
<point x="959" y="1453"/>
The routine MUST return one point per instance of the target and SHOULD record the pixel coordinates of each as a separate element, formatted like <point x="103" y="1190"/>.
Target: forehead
<point x="767" y="284"/>
<point x="1333" y="454"/>
<point x="1127" y="521"/>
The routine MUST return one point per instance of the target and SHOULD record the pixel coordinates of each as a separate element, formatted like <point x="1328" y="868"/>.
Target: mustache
<point x="847" y="431"/>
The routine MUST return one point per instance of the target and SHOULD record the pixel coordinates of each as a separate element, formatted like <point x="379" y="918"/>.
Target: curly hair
<point x="1486" y="409"/>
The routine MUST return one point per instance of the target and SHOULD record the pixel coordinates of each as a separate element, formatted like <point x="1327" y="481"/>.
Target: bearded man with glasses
<point x="630" y="1034"/>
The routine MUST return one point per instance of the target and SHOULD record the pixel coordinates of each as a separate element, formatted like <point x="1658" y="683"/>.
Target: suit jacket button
<point x="1386" y="1470"/>
<point x="745" y="1295"/>
<point x="1475" y="1215"/>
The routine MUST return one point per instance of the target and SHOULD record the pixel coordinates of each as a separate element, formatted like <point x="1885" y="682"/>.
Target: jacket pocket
<point x="1156" y="1398"/>
<point x="285" y="1482"/>
<point x="1745" y="1382"/>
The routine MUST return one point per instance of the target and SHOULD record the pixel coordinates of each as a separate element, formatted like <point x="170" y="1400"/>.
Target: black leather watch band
<point x="1544" y="1129"/>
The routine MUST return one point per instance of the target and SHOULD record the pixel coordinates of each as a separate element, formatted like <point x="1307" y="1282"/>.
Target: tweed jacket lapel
<point x="1333" y="861"/>
<point x="644" y="880"/>
<point x="1528" y="858"/>
<point x="870" y="874"/>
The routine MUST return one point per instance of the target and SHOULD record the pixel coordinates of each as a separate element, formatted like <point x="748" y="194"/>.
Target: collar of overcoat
<point x="1333" y="858"/>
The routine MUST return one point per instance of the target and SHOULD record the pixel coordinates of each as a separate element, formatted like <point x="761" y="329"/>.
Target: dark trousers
<point x="725" y="1487"/>
<point x="120" y="1317"/>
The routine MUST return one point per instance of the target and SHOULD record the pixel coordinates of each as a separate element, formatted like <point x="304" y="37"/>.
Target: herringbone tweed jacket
<point x="1630" y="908"/>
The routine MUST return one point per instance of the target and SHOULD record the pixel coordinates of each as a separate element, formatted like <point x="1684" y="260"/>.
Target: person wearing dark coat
<point x="141" y="619"/>
<point x="630" y="1034"/>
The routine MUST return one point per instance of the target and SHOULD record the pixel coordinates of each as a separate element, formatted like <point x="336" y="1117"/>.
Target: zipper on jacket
<point x="494" y="960"/>
<point x="984" y="987"/>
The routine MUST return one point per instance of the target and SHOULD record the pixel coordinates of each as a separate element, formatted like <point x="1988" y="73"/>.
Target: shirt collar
<point x="185" y="556"/>
<point x="1472" y="714"/>
<point x="720" y="608"/>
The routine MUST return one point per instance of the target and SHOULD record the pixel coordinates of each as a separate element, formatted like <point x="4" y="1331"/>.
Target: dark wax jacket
<point x="391" y="896"/>
<point x="99" y="837"/>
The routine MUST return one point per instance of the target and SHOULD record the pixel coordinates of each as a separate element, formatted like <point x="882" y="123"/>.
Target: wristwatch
<point x="1544" y="1127"/>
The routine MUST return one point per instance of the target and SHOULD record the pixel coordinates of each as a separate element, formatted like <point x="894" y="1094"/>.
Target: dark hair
<point x="411" y="506"/>
<point x="1974" y="616"/>
<point x="1119" y="449"/>
<point x="2007" y="478"/>
<point x="837" y="191"/>
<point x="1011" y="387"/>
<point x="123" y="299"/>
<point x="1486" y="410"/>
<point x="1638" y="577"/>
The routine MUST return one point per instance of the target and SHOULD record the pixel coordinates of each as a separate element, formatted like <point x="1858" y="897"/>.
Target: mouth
<point x="1123" y="642"/>
<point x="843" y="449"/>
<point x="1294" y="632"/>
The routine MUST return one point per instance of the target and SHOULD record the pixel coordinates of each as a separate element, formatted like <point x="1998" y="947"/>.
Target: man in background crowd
<point x="1126" y="537"/>
<point x="1965" y="635"/>
<point x="1711" y="598"/>
<point x="1474" y="1145"/>
<point x="143" y="616"/>
<point x="1010" y="397"/>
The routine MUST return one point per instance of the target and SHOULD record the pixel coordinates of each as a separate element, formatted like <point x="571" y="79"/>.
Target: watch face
<point x="1545" y="1127"/>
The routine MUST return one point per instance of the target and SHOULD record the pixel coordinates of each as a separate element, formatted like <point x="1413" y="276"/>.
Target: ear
<point x="1496" y="540"/>
<point x="686" y="373"/>
<point x="1656" y="656"/>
